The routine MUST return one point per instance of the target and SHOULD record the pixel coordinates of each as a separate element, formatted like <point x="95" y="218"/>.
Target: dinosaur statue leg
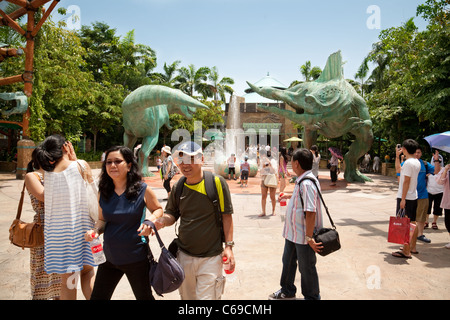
<point x="363" y="141"/>
<point x="148" y="143"/>
<point x="309" y="137"/>
<point x="129" y="140"/>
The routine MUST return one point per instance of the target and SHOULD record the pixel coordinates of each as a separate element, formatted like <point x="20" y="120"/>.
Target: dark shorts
<point x="410" y="208"/>
<point x="244" y="175"/>
<point x="231" y="170"/>
<point x="435" y="204"/>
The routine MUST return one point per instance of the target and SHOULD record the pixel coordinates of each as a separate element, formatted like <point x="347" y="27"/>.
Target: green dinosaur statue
<point x="146" y="110"/>
<point x="20" y="103"/>
<point x="329" y="106"/>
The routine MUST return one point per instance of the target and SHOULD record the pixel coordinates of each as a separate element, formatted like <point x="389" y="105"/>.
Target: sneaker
<point x="280" y="296"/>
<point x="447" y="245"/>
<point x="424" y="239"/>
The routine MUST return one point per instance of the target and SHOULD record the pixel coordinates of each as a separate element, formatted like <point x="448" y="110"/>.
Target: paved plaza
<point x="362" y="270"/>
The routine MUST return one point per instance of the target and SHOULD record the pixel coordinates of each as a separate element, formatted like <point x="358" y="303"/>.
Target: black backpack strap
<point x="179" y="191"/>
<point x="321" y="198"/>
<point x="213" y="195"/>
<point x="211" y="189"/>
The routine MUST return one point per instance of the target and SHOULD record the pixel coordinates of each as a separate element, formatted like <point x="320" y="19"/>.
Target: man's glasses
<point x="116" y="162"/>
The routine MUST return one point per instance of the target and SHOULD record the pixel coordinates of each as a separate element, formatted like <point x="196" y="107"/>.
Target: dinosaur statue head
<point x="185" y="111"/>
<point x="329" y="90"/>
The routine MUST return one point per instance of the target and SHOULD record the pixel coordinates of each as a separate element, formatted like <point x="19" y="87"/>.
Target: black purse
<point x="328" y="236"/>
<point x="167" y="274"/>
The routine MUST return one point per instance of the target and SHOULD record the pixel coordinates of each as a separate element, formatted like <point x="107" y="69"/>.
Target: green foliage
<point x="60" y="86"/>
<point x="408" y="91"/>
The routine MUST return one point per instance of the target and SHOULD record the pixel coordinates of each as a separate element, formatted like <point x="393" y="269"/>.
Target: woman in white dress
<point x="66" y="217"/>
<point x="316" y="161"/>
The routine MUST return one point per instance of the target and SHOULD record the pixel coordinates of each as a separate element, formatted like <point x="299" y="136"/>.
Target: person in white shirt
<point x="407" y="192"/>
<point x="231" y="166"/>
<point x="303" y="217"/>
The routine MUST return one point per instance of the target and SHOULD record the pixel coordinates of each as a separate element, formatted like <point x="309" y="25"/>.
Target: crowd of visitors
<point x="56" y="186"/>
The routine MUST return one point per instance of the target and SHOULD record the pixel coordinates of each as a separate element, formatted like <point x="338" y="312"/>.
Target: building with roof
<point x="253" y="118"/>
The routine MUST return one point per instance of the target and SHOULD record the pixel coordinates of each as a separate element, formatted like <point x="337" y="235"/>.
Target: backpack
<point x="213" y="195"/>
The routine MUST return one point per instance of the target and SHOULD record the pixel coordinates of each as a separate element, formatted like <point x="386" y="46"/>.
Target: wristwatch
<point x="308" y="239"/>
<point x="229" y="243"/>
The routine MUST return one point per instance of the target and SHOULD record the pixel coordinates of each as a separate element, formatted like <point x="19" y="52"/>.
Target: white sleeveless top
<point x="66" y="221"/>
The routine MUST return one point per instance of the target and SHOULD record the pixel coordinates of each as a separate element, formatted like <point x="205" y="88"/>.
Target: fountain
<point x="234" y="143"/>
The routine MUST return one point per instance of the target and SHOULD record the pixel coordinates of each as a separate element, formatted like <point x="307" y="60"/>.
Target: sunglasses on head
<point x="187" y="159"/>
<point x="116" y="162"/>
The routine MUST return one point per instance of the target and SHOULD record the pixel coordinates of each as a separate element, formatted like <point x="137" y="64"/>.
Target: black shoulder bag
<point x="166" y="274"/>
<point x="328" y="236"/>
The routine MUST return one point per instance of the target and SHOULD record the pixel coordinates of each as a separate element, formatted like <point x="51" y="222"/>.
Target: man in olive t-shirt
<point x="200" y="244"/>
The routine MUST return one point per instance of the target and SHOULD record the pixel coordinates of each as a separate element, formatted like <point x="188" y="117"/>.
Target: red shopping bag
<point x="399" y="229"/>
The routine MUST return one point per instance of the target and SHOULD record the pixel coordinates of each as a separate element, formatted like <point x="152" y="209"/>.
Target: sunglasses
<point x="187" y="159"/>
<point x="116" y="162"/>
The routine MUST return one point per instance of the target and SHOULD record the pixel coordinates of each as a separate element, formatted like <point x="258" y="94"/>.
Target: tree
<point x="60" y="86"/>
<point x="168" y="78"/>
<point x="102" y="48"/>
<point x="104" y="110"/>
<point x="409" y="89"/>
<point x="192" y="80"/>
<point x="362" y="73"/>
<point x="220" y="87"/>
<point x="309" y="73"/>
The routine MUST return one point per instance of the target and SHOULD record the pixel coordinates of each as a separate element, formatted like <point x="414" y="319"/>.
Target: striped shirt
<point x="295" y="223"/>
<point x="66" y="221"/>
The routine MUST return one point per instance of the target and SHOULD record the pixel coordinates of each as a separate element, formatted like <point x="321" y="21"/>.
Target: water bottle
<point x="230" y="276"/>
<point x="97" y="250"/>
<point x="283" y="205"/>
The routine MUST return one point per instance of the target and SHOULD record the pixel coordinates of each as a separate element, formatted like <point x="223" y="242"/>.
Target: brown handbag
<point x="23" y="234"/>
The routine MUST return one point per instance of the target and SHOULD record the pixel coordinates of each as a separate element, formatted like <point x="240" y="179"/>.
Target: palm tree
<point x="305" y="70"/>
<point x="220" y="87"/>
<point x="168" y="78"/>
<point x="190" y="79"/>
<point x="135" y="54"/>
<point x="362" y="72"/>
<point x="379" y="56"/>
<point x="309" y="73"/>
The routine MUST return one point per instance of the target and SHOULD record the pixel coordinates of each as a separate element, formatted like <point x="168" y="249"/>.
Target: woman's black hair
<point x="315" y="149"/>
<point x="283" y="153"/>
<point x="34" y="163"/>
<point x="50" y="152"/>
<point x="134" y="177"/>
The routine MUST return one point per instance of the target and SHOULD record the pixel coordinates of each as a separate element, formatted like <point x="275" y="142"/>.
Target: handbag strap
<point x="152" y="225"/>
<point x="321" y="198"/>
<point x="83" y="171"/>
<point x="19" y="208"/>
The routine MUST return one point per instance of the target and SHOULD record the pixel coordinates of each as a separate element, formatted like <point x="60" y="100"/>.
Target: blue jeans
<point x="306" y="258"/>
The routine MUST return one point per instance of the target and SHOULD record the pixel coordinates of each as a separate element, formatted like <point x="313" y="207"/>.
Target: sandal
<point x="413" y="252"/>
<point x="400" y="254"/>
<point x="262" y="215"/>
<point x="434" y="226"/>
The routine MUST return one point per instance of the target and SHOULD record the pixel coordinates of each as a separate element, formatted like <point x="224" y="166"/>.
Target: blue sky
<point x="246" y="39"/>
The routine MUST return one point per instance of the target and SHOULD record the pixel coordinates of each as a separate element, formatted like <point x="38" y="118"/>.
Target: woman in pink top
<point x="443" y="177"/>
